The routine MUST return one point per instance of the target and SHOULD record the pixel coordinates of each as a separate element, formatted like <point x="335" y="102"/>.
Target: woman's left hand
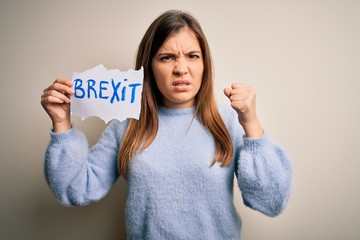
<point x="243" y="101"/>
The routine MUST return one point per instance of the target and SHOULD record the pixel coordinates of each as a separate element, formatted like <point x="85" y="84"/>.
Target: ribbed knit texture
<point x="173" y="193"/>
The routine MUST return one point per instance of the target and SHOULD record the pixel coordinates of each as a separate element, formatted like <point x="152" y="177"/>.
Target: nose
<point x="180" y="67"/>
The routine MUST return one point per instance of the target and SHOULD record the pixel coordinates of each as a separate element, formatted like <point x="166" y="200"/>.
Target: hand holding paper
<point x="56" y="102"/>
<point x="107" y="94"/>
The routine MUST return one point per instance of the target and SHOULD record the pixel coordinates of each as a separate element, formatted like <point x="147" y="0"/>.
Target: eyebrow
<point x="194" y="51"/>
<point x="174" y="54"/>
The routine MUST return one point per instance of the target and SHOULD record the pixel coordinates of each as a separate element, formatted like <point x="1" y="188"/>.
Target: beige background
<point x="302" y="56"/>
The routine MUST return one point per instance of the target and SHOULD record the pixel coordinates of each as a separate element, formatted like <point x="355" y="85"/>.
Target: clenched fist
<point x="243" y="101"/>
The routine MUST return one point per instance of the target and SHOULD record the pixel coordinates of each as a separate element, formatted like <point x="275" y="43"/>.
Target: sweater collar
<point x="175" y="111"/>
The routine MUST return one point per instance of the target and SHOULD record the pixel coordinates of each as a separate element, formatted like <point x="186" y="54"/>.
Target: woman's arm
<point x="263" y="167"/>
<point x="77" y="175"/>
<point x="264" y="175"/>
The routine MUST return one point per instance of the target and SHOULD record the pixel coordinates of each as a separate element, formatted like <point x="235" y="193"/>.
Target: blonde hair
<point x="141" y="133"/>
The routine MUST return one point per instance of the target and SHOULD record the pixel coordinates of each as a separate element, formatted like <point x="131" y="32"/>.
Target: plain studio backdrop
<point x="302" y="56"/>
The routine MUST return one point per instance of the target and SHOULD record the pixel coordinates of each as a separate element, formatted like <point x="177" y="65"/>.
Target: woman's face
<point x="178" y="69"/>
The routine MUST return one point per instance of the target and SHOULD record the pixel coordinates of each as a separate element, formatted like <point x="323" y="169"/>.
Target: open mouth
<point x="181" y="83"/>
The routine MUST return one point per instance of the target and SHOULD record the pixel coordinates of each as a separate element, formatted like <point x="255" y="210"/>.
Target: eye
<point x="194" y="56"/>
<point x="167" y="58"/>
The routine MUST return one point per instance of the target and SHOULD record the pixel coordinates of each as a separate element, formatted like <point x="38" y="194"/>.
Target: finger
<point x="239" y="97"/>
<point x="64" y="81"/>
<point x="61" y="88"/>
<point x="55" y="94"/>
<point x="51" y="100"/>
<point x="62" y="85"/>
<point x="227" y="92"/>
<point x="239" y="105"/>
<point x="242" y="90"/>
<point x="239" y="91"/>
<point x="239" y="85"/>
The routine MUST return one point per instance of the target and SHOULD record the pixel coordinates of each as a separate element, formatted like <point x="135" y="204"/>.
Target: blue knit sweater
<point x="173" y="193"/>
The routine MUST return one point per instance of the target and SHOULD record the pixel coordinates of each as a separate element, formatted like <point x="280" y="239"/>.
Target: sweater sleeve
<point x="264" y="175"/>
<point x="262" y="167"/>
<point x="78" y="175"/>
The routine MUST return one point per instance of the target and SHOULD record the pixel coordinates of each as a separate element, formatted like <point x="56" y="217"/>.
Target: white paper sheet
<point x="107" y="94"/>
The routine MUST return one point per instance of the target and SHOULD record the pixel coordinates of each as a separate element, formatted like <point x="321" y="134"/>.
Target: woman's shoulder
<point x="117" y="127"/>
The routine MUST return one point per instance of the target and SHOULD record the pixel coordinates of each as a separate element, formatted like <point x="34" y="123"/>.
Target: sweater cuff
<point x="252" y="144"/>
<point x="62" y="136"/>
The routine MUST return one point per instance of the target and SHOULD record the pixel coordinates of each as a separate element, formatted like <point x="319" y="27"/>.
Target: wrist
<point x="61" y="126"/>
<point x="252" y="129"/>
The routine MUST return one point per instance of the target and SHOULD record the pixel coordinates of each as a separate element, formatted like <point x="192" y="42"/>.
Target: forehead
<point x="185" y="39"/>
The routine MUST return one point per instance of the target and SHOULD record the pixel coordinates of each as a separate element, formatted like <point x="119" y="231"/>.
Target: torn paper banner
<point x="107" y="94"/>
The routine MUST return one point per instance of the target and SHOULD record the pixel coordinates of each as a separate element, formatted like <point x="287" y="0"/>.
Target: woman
<point x="179" y="159"/>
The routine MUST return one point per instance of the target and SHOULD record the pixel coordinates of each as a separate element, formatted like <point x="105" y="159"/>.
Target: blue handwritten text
<point x="113" y="90"/>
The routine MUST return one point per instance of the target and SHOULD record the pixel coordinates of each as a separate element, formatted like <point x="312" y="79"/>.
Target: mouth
<point x="181" y="83"/>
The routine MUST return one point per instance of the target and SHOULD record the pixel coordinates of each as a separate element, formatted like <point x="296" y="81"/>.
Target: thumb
<point x="227" y="92"/>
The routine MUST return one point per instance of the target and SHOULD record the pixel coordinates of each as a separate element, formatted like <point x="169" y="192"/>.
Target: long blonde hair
<point x="140" y="133"/>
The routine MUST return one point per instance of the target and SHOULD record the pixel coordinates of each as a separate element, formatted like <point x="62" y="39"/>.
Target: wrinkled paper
<point x="107" y="94"/>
